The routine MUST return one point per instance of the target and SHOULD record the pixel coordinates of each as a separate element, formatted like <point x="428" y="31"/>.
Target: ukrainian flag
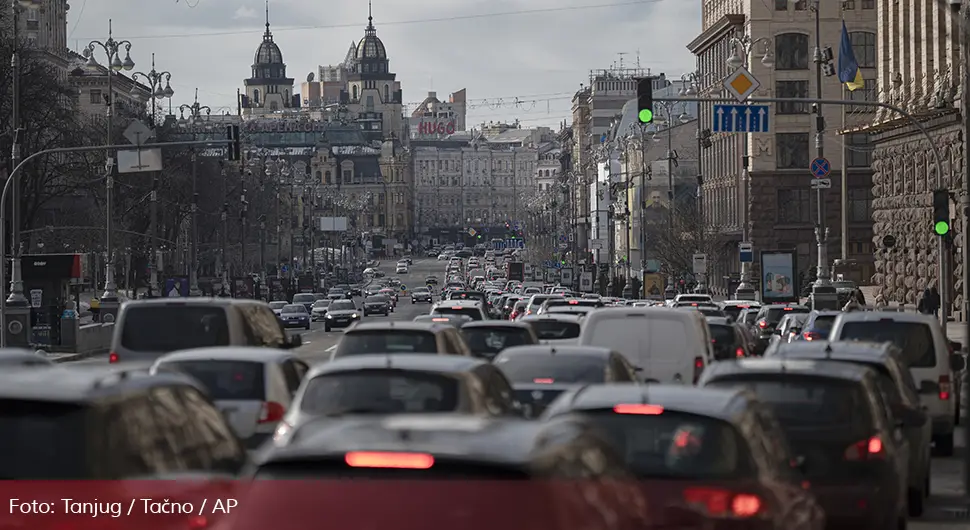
<point x="849" y="71"/>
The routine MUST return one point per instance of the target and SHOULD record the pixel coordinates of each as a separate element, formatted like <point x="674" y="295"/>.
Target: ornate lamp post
<point x="154" y="80"/>
<point x="195" y="116"/>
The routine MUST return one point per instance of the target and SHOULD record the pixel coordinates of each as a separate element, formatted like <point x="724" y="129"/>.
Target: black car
<point x="448" y="470"/>
<point x="340" y="314"/>
<point x="377" y="305"/>
<point x="728" y="338"/>
<point x="355" y="289"/>
<point x="540" y="373"/>
<point x="431" y="280"/>
<point x="700" y="454"/>
<point x="768" y="318"/>
<point x="422" y="294"/>
<point x="295" y="316"/>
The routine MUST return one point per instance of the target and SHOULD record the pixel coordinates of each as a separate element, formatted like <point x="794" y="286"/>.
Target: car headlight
<point x="329" y="315"/>
<point x="354" y="315"/>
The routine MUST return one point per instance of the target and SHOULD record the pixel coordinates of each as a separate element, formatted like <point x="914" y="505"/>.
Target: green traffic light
<point x="646" y="115"/>
<point x="941" y="228"/>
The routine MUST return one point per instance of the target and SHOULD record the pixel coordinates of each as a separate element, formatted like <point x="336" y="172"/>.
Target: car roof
<point x="460" y="302"/>
<point x="563" y="317"/>
<point x="721" y="403"/>
<point x="822" y="369"/>
<point x="228" y="353"/>
<point x="456" y="436"/>
<point x="852" y="351"/>
<point x="780" y="306"/>
<point x="82" y="385"/>
<point x="414" y="362"/>
<point x="719" y="321"/>
<point x="492" y="324"/>
<point x="388" y="325"/>
<point x="202" y="300"/>
<point x="556" y="351"/>
<point x="875" y="316"/>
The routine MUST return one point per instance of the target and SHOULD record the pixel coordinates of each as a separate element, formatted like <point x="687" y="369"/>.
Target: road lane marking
<point x="330" y="349"/>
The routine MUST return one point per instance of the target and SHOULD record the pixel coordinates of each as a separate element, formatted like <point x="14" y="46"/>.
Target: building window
<point x="327" y="178"/>
<point x="860" y="205"/>
<point x="387" y="94"/>
<point x="864" y="48"/>
<point x="868" y="4"/>
<point x="96" y="97"/>
<point x="860" y="150"/>
<point x="791" y="51"/>
<point x="867" y="93"/>
<point x="848" y="5"/>
<point x="348" y="174"/>
<point x="370" y="102"/>
<point x="256" y="96"/>
<point x="791" y="89"/>
<point x="355" y="93"/>
<point x="791" y="150"/>
<point x="782" y="5"/>
<point x="794" y="206"/>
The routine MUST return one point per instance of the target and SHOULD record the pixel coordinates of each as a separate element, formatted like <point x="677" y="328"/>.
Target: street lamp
<point x="195" y="110"/>
<point x="112" y="50"/>
<point x="154" y="81"/>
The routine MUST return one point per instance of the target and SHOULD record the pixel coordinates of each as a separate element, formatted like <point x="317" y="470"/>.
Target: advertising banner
<point x="778" y="276"/>
<point x="653" y="285"/>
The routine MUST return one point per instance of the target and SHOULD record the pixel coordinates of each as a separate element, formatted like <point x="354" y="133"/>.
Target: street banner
<point x="778" y="276"/>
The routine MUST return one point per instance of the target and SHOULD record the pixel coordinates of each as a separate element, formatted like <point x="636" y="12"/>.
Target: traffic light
<point x="645" y="99"/>
<point x="941" y="212"/>
<point x="232" y="134"/>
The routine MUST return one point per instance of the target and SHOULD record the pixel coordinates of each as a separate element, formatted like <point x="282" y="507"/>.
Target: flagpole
<point x="845" y="171"/>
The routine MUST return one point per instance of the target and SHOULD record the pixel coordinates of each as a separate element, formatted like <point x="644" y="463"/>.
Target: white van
<point x="931" y="358"/>
<point x="668" y="346"/>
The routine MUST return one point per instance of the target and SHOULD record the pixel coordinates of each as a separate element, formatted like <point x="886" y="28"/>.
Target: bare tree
<point x="675" y="248"/>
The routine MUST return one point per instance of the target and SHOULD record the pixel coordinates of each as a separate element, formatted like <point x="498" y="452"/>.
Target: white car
<point x="402" y="269"/>
<point x="278" y="305"/>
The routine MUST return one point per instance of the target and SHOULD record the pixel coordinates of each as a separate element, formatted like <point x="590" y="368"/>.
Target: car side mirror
<point x="957" y="362"/>
<point x="956" y="346"/>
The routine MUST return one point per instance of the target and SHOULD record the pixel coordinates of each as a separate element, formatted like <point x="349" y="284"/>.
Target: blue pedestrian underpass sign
<point x="741" y="118"/>
<point x="820" y="168"/>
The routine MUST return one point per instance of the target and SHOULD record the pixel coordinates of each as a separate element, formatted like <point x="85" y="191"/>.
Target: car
<point x="453" y="320"/>
<point x="22" y="357"/>
<point x="768" y="318"/>
<point x="554" y="329"/>
<point x="536" y="301"/>
<point x="318" y="311"/>
<point x="539" y="373"/>
<point x="95" y="418"/>
<point x="377" y="305"/>
<point x="147" y="329"/>
<point x="472" y="308"/>
<point x="699" y="449"/>
<point x="899" y="390"/>
<point x="421" y="294"/>
<point x="401" y="269"/>
<point x="487" y="338"/>
<point x="295" y="316"/>
<point x="337" y="294"/>
<point x="839" y="427"/>
<point x="468" y="295"/>
<point x="443" y="257"/>
<point x="355" y="289"/>
<point x="788" y="329"/>
<point x="934" y="361"/>
<point x="733" y="308"/>
<point x="383" y="385"/>
<point x="407" y="259"/>
<point x="560" y="300"/>
<point x="253" y="387"/>
<point x="818" y="325"/>
<point x="400" y="337"/>
<point x="431" y="280"/>
<point x="341" y="314"/>
<point x="306" y="299"/>
<point x="729" y="339"/>
<point x="278" y="305"/>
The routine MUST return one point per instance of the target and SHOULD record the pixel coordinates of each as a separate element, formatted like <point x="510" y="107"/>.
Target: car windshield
<point x="43" y="441"/>
<point x="473" y="312"/>
<point x="677" y="445"/>
<point x="733" y="310"/>
<point x="166" y="328"/>
<point x="420" y="290"/>
<point x="380" y="392"/>
<point x="342" y="305"/>
<point x="914" y="338"/>
<point x="224" y="380"/>
<point x="774" y="314"/>
<point x="386" y="341"/>
<point x="495" y="339"/>
<point x="304" y="298"/>
<point x="321" y="303"/>
<point x="375" y="299"/>
<point x="527" y="368"/>
<point x="569" y="309"/>
<point x="277" y="305"/>
<point x="293" y="309"/>
<point x="551" y="329"/>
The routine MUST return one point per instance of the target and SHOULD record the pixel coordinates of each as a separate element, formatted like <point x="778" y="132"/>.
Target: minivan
<point x="148" y="329"/>
<point x="668" y="346"/>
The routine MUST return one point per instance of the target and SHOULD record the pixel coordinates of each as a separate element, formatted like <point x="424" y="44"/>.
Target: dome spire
<point x="267" y="35"/>
<point x="370" y="19"/>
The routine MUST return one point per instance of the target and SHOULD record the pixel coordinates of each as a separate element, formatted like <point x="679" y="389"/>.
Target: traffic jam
<point x="562" y="409"/>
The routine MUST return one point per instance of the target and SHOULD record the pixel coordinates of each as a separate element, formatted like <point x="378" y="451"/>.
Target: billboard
<point x="778" y="269"/>
<point x="433" y="127"/>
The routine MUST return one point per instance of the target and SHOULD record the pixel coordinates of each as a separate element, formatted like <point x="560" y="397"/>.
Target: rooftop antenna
<point x="621" y="54"/>
<point x="638" y="59"/>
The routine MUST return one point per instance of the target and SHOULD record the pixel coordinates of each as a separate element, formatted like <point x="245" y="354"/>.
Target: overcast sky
<point x="538" y="51"/>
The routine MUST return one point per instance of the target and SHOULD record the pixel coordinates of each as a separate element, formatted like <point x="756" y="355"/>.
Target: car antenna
<point x="828" y="350"/>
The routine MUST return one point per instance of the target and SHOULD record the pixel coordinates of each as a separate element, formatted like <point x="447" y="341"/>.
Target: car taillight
<point x="868" y="449"/>
<point x="112" y="357"/>
<point x="739" y="353"/>
<point x="513" y="315"/>
<point x="944" y="382"/>
<point x="811" y="335"/>
<point x="698" y="368"/>
<point x="272" y="412"/>
<point x="762" y="324"/>
<point x="716" y="502"/>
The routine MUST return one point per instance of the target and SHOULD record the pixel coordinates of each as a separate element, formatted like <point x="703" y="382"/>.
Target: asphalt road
<point x="318" y="343"/>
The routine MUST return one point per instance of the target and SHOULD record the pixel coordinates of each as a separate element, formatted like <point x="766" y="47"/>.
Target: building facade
<point x="762" y="180"/>
<point x="436" y="119"/>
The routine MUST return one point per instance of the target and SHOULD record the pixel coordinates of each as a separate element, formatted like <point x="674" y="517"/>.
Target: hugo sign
<point x="431" y="127"/>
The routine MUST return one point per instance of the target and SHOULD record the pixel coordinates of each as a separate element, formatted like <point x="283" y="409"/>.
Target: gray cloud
<point x="535" y="56"/>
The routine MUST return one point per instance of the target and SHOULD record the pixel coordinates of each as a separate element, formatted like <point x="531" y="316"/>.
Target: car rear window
<point x="823" y="323"/>
<point x="803" y="402"/>
<point x="225" y="380"/>
<point x="42" y="441"/>
<point x="386" y="341"/>
<point x="168" y="328"/>
<point x="733" y="310"/>
<point x="555" y="329"/>
<point x="774" y="314"/>
<point x="494" y="340"/>
<point x="675" y="445"/>
<point x="724" y="339"/>
<point x="472" y="312"/>
<point x="342" y="305"/>
<point x="914" y="338"/>
<point x="294" y="308"/>
<point x="380" y="392"/>
<point x="376" y="299"/>
<point x="550" y="369"/>
<point x="303" y="298"/>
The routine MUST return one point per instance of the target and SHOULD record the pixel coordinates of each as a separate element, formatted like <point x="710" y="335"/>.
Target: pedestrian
<point x="852" y="305"/>
<point x="933" y="307"/>
<point x="860" y="297"/>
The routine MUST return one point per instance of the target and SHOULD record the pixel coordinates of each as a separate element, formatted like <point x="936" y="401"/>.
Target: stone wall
<point x="903" y="181"/>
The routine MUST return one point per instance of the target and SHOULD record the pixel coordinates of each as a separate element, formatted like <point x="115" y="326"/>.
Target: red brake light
<point x="693" y="305"/>
<point x="389" y="460"/>
<point x="871" y="448"/>
<point x="698" y="362"/>
<point x="439" y="320"/>
<point x="456" y="307"/>
<point x="112" y="357"/>
<point x="574" y="302"/>
<point x="717" y="502"/>
<point x="739" y="353"/>
<point x="812" y="335"/>
<point x="944" y="383"/>
<point x="272" y="412"/>
<point x="647" y="410"/>
<point x="543" y="381"/>
<point x="762" y="323"/>
<point x="786" y="309"/>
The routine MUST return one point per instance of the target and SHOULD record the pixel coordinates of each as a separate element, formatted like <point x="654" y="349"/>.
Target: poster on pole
<point x="778" y="269"/>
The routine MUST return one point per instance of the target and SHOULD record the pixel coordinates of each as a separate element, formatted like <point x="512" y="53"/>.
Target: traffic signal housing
<point x="941" y="212"/>
<point x="645" y="99"/>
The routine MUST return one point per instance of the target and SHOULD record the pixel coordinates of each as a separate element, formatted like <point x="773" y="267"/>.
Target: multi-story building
<point x="43" y="28"/>
<point x="916" y="64"/>
<point x="773" y="197"/>
<point x="268" y="90"/>
<point x="435" y="119"/>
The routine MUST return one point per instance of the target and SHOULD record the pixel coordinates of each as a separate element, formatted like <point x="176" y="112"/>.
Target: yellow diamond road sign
<point x="741" y="84"/>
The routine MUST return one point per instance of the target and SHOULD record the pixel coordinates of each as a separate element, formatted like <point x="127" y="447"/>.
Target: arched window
<point x="791" y="51"/>
<point x="256" y="96"/>
<point x="387" y="94"/>
<point x="355" y="93"/>
<point x="319" y="177"/>
<point x="327" y="179"/>
<point x="286" y="97"/>
<point x="864" y="47"/>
